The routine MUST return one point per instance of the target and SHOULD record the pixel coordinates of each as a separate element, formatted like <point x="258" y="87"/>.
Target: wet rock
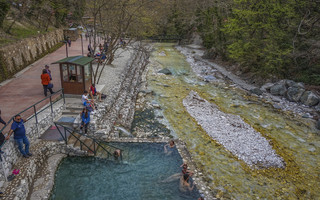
<point x="209" y="78"/>
<point x="266" y="87"/>
<point x="165" y="71"/>
<point x="317" y="108"/>
<point x="299" y="85"/>
<point x="276" y="106"/>
<point x="256" y="91"/>
<point x="295" y="93"/>
<point x="306" y="115"/>
<point x="278" y="89"/>
<point x="318" y="124"/>
<point x="210" y="54"/>
<point x="289" y="83"/>
<point x="162" y="53"/>
<point x="309" y="98"/>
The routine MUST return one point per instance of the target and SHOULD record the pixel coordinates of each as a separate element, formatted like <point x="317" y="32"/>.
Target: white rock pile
<point x="233" y="133"/>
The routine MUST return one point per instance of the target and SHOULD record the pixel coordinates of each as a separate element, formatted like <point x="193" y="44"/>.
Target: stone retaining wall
<point x="17" y="56"/>
<point x="33" y="130"/>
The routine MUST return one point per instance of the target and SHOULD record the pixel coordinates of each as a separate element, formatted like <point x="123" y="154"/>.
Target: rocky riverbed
<point x="279" y="94"/>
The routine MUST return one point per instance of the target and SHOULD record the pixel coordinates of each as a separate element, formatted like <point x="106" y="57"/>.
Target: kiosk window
<point x="72" y="73"/>
<point x="65" y="72"/>
<point x="79" y="74"/>
<point x="87" y="74"/>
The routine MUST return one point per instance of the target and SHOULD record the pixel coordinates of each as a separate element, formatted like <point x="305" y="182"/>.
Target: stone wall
<point x="33" y="130"/>
<point x="19" y="55"/>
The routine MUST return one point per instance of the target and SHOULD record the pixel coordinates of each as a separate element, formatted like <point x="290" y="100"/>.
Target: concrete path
<point x="26" y="89"/>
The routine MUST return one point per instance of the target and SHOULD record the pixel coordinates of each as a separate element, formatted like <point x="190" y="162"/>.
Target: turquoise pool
<point x="142" y="174"/>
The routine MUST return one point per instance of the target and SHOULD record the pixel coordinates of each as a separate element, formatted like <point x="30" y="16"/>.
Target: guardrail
<point x="53" y="98"/>
<point x="96" y="142"/>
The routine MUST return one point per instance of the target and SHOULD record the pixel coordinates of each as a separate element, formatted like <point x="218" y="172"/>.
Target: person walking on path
<point x="85" y="116"/>
<point x="45" y="80"/>
<point x="48" y="71"/>
<point x="17" y="127"/>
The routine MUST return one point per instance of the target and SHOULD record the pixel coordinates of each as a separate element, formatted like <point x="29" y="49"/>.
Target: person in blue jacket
<point x="85" y="119"/>
<point x="20" y="137"/>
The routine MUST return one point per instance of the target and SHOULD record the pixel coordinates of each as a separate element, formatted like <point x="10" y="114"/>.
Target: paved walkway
<point x="26" y="89"/>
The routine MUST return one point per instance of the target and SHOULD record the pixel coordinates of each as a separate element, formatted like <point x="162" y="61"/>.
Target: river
<point x="293" y="138"/>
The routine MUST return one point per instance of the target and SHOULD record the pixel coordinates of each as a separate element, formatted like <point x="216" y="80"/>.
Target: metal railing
<point x="96" y="143"/>
<point x="53" y="98"/>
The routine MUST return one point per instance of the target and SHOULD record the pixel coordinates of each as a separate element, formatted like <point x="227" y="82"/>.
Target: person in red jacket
<point x="45" y="80"/>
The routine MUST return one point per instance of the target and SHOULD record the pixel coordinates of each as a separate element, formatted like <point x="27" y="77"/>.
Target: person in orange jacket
<point x="45" y="80"/>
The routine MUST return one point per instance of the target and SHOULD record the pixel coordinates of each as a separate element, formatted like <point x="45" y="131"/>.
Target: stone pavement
<point x="25" y="88"/>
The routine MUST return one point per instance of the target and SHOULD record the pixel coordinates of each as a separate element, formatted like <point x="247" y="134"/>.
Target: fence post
<point x="35" y="113"/>
<point x="65" y="135"/>
<point x="51" y="104"/>
<point x="64" y="100"/>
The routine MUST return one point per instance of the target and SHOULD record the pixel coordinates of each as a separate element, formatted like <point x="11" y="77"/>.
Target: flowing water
<point x="142" y="173"/>
<point x="293" y="138"/>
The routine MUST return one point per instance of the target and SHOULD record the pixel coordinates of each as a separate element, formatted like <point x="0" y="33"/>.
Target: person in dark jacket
<point x="85" y="119"/>
<point x="2" y="138"/>
<point x="1" y="120"/>
<point x="45" y="80"/>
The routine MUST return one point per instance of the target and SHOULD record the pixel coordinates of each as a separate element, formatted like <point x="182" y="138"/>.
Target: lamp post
<point x="81" y="44"/>
<point x="65" y="41"/>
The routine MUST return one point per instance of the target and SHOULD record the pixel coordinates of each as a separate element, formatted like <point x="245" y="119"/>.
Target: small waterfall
<point x="123" y="130"/>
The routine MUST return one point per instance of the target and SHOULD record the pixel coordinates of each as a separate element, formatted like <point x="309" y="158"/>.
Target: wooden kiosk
<point x="75" y="73"/>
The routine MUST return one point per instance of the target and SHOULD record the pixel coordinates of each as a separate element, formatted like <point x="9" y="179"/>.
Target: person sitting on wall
<point x="93" y="92"/>
<point x="89" y="104"/>
<point x="185" y="169"/>
<point x="84" y="97"/>
<point x="17" y="127"/>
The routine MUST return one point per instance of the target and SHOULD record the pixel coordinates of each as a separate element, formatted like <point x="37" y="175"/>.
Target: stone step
<point x="71" y="112"/>
<point x="75" y="108"/>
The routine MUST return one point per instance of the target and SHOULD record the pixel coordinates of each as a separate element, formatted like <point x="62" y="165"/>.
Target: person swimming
<point x="171" y="145"/>
<point x="117" y="154"/>
<point x="184" y="183"/>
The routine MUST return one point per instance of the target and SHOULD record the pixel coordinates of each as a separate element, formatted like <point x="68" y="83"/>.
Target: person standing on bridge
<point x="17" y="127"/>
<point x="85" y="119"/>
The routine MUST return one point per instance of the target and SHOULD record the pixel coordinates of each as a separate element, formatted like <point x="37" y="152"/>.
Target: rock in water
<point x="309" y="98"/>
<point x="165" y="71"/>
<point x="233" y="133"/>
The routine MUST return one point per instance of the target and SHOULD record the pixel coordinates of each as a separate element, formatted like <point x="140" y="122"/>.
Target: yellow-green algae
<point x="293" y="138"/>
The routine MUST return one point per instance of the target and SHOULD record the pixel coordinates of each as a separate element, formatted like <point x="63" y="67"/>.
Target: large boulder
<point x="289" y="83"/>
<point x="165" y="71"/>
<point x="298" y="85"/>
<point x="318" y="124"/>
<point x="294" y="93"/>
<point x="256" y="91"/>
<point x="309" y="98"/>
<point x="278" y="89"/>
